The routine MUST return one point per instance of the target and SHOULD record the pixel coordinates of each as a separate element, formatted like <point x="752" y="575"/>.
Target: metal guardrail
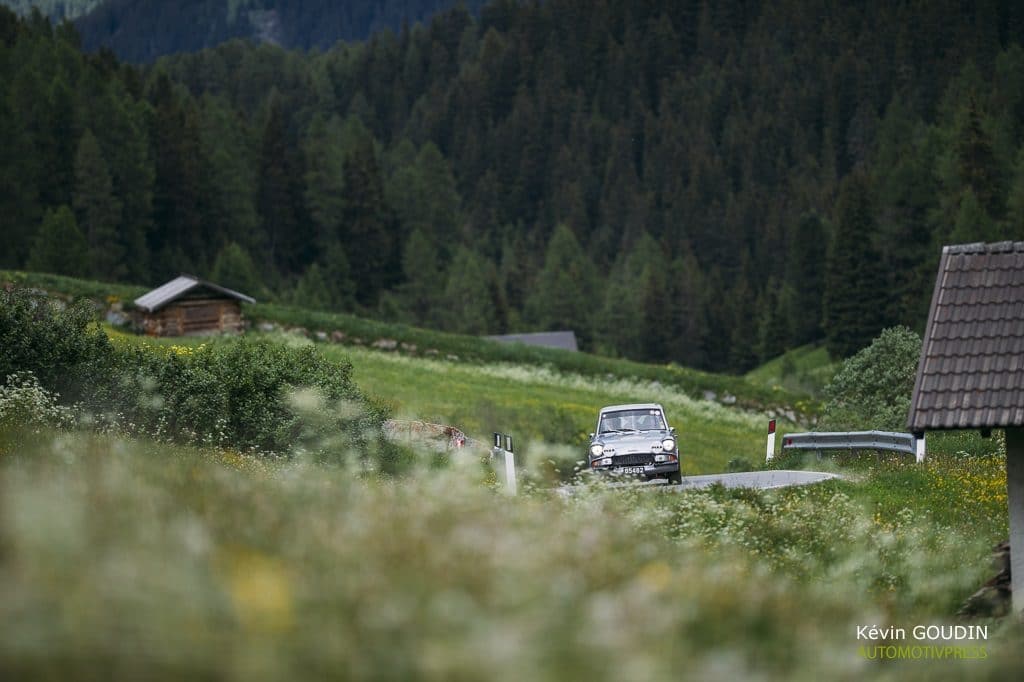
<point x="856" y="440"/>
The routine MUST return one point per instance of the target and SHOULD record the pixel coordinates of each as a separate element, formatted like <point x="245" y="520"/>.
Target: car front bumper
<point x="650" y="470"/>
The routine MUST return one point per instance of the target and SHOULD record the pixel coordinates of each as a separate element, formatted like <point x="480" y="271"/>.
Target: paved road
<point x="762" y="480"/>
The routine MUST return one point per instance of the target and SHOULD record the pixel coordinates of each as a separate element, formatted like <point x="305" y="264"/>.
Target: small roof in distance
<point x="971" y="372"/>
<point x="178" y="287"/>
<point x="564" y="340"/>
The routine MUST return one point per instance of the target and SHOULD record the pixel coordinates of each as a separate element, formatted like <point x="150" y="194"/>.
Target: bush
<point x="238" y="392"/>
<point x="57" y="343"/>
<point x="24" y="403"/>
<point x="872" y="389"/>
<point x="230" y="392"/>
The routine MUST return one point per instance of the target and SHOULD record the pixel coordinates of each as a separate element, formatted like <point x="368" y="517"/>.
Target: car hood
<point x="631" y="442"/>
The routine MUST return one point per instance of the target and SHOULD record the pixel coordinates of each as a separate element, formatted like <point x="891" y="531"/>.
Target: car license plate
<point x="631" y="470"/>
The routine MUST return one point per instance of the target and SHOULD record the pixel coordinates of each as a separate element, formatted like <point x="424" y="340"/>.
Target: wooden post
<point x="1015" y="500"/>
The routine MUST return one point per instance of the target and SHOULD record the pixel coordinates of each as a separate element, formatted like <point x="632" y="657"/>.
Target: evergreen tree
<point x="468" y="303"/>
<point x="421" y="291"/>
<point x="59" y="246"/>
<point x="977" y="165"/>
<point x="805" y="274"/>
<point x="973" y="223"/>
<point x="312" y="290"/>
<point x="288" y="240"/>
<point x="229" y="170"/>
<point x="686" y="288"/>
<point x="97" y="210"/>
<point x="19" y="206"/>
<point x="176" y="188"/>
<point x="337" y="274"/>
<point x="621" y="322"/>
<point x="325" y="154"/>
<point x="855" y="297"/>
<point x="563" y="292"/>
<point x="233" y="268"/>
<point x="368" y="224"/>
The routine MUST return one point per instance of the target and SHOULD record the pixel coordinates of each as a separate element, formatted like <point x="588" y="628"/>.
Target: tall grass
<point x="131" y="560"/>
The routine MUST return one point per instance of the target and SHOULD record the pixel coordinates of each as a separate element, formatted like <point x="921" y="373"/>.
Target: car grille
<point x="633" y="460"/>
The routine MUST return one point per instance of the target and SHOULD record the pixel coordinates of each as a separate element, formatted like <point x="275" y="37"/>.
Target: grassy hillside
<point x="361" y="331"/>
<point x="806" y="369"/>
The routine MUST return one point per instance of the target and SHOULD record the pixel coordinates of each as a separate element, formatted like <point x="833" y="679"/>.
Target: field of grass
<point x="549" y="413"/>
<point x="134" y="560"/>
<point x="806" y="369"/>
<point x="361" y="331"/>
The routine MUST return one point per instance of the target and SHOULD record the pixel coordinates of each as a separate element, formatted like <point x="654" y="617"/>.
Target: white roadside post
<point x="770" y="451"/>
<point x="919" y="449"/>
<point x="510" y="460"/>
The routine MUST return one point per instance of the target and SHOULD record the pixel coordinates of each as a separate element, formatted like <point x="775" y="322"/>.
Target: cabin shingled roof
<point x="178" y="287"/>
<point x="971" y="371"/>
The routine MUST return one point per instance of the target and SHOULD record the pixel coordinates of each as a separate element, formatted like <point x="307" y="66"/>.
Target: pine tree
<point x="468" y="303"/>
<point x="98" y="211"/>
<point x="855" y="297"/>
<point x="368" y="224"/>
<point x="562" y="294"/>
<point x="421" y="291"/>
<point x="973" y="223"/>
<point x="805" y="275"/>
<point x="59" y="246"/>
<point x="977" y="165"/>
<point x="620" y="324"/>
<point x="288" y="239"/>
<point x="234" y="269"/>
<point x="312" y="290"/>
<point x="337" y="274"/>
<point x="325" y="154"/>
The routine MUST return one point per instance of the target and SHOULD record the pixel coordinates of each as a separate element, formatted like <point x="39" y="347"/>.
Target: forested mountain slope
<point x="54" y="9"/>
<point x="142" y="30"/>
<point x="702" y="183"/>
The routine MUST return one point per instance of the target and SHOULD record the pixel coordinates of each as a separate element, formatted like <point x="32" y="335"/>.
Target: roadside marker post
<point x="770" y="450"/>
<point x="503" y="446"/>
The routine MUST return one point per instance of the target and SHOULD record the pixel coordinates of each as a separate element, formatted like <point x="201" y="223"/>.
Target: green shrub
<point x="23" y="402"/>
<point x="56" y="342"/>
<point x="229" y="393"/>
<point x="237" y="393"/>
<point x="872" y="389"/>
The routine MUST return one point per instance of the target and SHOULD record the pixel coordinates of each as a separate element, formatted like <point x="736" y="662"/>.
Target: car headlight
<point x="668" y="444"/>
<point x="596" y="450"/>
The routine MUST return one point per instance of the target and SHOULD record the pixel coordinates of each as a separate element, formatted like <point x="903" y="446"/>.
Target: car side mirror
<point x="591" y="436"/>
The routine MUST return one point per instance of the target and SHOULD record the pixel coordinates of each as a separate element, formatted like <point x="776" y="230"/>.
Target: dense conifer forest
<point x="691" y="182"/>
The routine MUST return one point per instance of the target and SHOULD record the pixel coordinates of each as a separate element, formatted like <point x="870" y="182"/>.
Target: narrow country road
<point x="761" y="480"/>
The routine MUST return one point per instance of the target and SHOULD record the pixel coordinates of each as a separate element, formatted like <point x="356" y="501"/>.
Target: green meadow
<point x="152" y="545"/>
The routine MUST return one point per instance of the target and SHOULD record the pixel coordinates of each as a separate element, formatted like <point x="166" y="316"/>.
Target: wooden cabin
<point x="189" y="306"/>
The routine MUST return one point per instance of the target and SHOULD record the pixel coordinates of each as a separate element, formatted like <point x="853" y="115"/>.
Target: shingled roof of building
<point x="178" y="287"/>
<point x="971" y="372"/>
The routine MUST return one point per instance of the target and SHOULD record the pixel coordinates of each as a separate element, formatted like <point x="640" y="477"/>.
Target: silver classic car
<point x="635" y="440"/>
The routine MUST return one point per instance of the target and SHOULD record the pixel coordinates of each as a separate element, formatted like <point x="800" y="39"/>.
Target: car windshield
<point x="632" y="420"/>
